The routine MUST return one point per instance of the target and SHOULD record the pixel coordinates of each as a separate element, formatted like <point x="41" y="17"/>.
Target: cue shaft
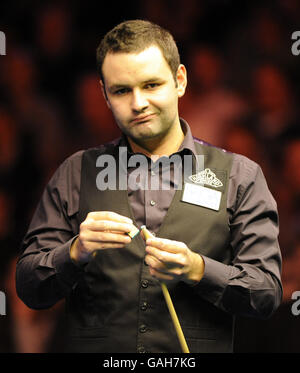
<point x="170" y="305"/>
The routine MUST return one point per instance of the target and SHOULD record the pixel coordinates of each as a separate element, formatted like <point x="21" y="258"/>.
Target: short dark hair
<point x="134" y="36"/>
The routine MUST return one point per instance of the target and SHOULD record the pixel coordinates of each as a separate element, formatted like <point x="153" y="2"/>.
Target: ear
<point x="181" y="77"/>
<point x="103" y="90"/>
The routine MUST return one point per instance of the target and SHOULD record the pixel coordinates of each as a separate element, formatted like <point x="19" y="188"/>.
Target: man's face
<point x="142" y="94"/>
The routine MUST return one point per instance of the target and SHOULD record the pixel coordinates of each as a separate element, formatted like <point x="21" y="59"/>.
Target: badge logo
<point x="206" y="177"/>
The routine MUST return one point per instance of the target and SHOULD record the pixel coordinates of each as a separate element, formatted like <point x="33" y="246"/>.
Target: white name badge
<point x="202" y="196"/>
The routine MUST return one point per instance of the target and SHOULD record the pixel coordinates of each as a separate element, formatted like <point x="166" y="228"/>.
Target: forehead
<point x="129" y="68"/>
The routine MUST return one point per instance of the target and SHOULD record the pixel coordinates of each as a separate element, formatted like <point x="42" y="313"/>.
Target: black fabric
<point x="118" y="306"/>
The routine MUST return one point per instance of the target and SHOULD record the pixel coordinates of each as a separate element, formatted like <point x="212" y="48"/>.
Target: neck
<point x="166" y="145"/>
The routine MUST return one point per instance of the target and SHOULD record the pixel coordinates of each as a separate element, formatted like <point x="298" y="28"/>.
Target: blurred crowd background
<point x="243" y="94"/>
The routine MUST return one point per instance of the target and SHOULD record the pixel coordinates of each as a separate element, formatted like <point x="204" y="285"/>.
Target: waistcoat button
<point x="141" y="349"/>
<point x="144" y="306"/>
<point x="144" y="283"/>
<point x="143" y="329"/>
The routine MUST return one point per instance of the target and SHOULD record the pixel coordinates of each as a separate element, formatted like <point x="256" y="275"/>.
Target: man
<point x="216" y="230"/>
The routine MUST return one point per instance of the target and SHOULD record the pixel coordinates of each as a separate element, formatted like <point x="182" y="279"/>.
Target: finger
<point x="153" y="262"/>
<point x="107" y="225"/>
<point x="166" y="245"/>
<point x="92" y="246"/>
<point x="109" y="215"/>
<point x="160" y="275"/>
<point x="168" y="274"/>
<point x="169" y="259"/>
<point x="104" y="237"/>
<point x="168" y="268"/>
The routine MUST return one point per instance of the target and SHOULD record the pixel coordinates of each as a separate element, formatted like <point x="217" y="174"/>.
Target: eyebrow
<point x="119" y="86"/>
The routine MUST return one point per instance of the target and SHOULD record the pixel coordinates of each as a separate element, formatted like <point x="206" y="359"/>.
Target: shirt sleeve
<point x="251" y="284"/>
<point x="45" y="272"/>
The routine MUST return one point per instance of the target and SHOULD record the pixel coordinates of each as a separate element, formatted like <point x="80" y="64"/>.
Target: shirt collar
<point x="187" y="145"/>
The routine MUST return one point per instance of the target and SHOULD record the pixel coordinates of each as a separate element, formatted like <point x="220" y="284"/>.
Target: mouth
<point x="142" y="119"/>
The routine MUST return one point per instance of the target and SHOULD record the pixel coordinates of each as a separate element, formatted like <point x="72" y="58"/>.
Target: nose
<point x="139" y="101"/>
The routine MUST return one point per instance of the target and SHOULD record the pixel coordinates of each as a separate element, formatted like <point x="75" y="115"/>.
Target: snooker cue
<point x="170" y="305"/>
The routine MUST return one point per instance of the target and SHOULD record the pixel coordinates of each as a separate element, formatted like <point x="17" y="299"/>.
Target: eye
<point x="151" y="85"/>
<point x="121" y="91"/>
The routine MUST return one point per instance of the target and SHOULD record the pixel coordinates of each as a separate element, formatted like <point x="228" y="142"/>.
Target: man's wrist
<point x="197" y="271"/>
<point x="74" y="253"/>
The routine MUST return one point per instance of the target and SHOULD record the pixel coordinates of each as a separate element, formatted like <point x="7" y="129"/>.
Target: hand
<point x="173" y="260"/>
<point x="99" y="231"/>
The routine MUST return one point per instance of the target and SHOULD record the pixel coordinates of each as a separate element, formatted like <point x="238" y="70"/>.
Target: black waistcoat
<point x="117" y="306"/>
